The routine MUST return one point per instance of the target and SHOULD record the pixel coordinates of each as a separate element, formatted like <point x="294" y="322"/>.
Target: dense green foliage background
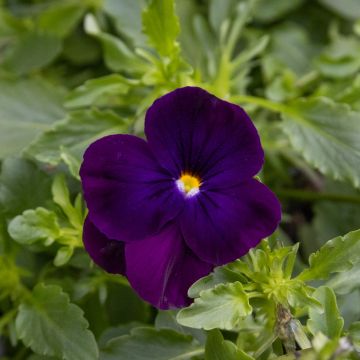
<point x="73" y="71"/>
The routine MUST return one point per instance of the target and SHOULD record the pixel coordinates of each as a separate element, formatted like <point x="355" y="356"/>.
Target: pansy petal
<point x="193" y="131"/>
<point x="108" y="254"/>
<point x="222" y="226"/>
<point x="128" y="195"/>
<point x="162" y="268"/>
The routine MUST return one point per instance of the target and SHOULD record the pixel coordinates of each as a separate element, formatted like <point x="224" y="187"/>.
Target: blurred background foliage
<point x="73" y="71"/>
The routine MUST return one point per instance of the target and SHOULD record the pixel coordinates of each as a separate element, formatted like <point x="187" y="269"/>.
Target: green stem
<point x="264" y="103"/>
<point x="304" y="195"/>
<point x="294" y="356"/>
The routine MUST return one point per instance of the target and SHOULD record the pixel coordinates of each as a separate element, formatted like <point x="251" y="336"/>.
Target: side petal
<point x="162" y="268"/>
<point x="223" y="226"/>
<point x="108" y="254"/>
<point x="128" y="195"/>
<point x="192" y="130"/>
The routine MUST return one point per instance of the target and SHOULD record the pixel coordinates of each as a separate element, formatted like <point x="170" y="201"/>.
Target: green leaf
<point x="354" y="332"/>
<point x="350" y="9"/>
<point x="74" y="134"/>
<point x="22" y="186"/>
<point x="221" y="307"/>
<point x="127" y="17"/>
<point x="60" y="18"/>
<point x="95" y="89"/>
<point x="117" y="55"/>
<point x="346" y="282"/>
<point x="145" y="343"/>
<point x="50" y="325"/>
<point x="326" y="134"/>
<point x="337" y="255"/>
<point x="328" y="321"/>
<point x="35" y="225"/>
<point x="161" y="25"/>
<point x="21" y="121"/>
<point x="32" y="51"/>
<point x="219" y="349"/>
<point x="268" y="11"/>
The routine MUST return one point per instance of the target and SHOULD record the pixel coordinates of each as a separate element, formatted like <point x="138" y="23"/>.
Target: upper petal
<point x="221" y="226"/>
<point x="161" y="268"/>
<point x="108" y="254"/>
<point x="192" y="130"/>
<point x="128" y="194"/>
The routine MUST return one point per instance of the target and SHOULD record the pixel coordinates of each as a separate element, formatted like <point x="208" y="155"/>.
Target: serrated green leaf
<point x="161" y="25"/>
<point x="221" y="307"/>
<point x="221" y="275"/>
<point x="143" y="343"/>
<point x="337" y="255"/>
<point x="21" y="121"/>
<point x="35" y="225"/>
<point x="328" y="321"/>
<point x="22" y="186"/>
<point x="74" y="134"/>
<point x="50" y="325"/>
<point x="94" y="89"/>
<point x="326" y="134"/>
<point x="219" y="349"/>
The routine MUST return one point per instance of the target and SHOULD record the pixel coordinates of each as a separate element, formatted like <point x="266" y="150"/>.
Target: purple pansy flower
<point x="165" y="211"/>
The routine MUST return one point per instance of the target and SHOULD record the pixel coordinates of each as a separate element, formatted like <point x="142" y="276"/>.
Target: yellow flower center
<point x="188" y="184"/>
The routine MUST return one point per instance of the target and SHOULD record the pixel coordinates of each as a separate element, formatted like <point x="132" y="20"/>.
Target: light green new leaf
<point x="337" y="255"/>
<point x="146" y="343"/>
<point x="327" y="135"/>
<point x="21" y="121"/>
<point x="74" y="134"/>
<point x="161" y="25"/>
<point x="221" y="307"/>
<point x="328" y="321"/>
<point x="61" y="196"/>
<point x="50" y="325"/>
<point x="35" y="225"/>
<point x="219" y="349"/>
<point x="93" y="89"/>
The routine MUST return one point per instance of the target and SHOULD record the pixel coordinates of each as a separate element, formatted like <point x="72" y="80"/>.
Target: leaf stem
<point x="304" y="195"/>
<point x="264" y="103"/>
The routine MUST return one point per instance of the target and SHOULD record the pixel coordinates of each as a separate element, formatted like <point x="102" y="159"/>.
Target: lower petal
<point x="161" y="268"/>
<point x="221" y="226"/>
<point x="108" y="254"/>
